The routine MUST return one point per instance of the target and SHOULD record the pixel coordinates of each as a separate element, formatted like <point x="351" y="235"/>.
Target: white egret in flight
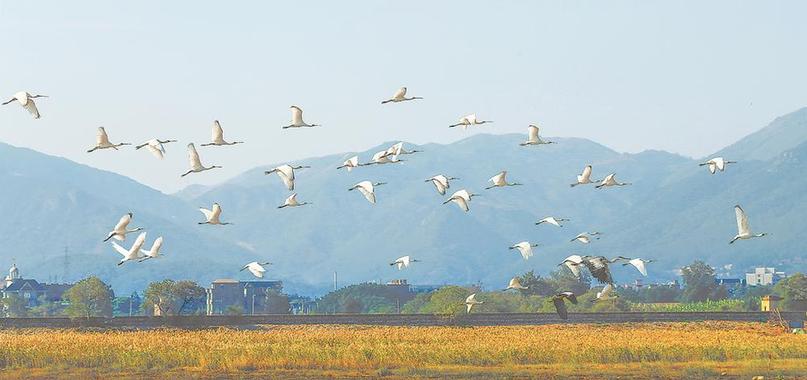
<point x="552" y="220"/>
<point x="500" y="180"/>
<point x="462" y="198"/>
<point x="350" y="163"/>
<point x="400" y="96"/>
<point x="743" y="229"/>
<point x="291" y="201"/>
<point x="609" y="181"/>
<point x="102" y="141"/>
<point x="195" y="162"/>
<point x="297" y="119"/>
<point x="120" y="230"/>
<point x="717" y="163"/>
<point x="470" y="302"/>
<point x="367" y="189"/>
<point x="256" y="268"/>
<point x="585" y="177"/>
<point x="212" y="216"/>
<point x="154" y="252"/>
<point x="533" y="138"/>
<point x="441" y="183"/>
<point x="26" y="100"/>
<point x="217" y="136"/>
<point x="469" y="120"/>
<point x="132" y="253"/>
<point x="155" y="146"/>
<point x="403" y="262"/>
<point x="525" y="248"/>
<point x="286" y="174"/>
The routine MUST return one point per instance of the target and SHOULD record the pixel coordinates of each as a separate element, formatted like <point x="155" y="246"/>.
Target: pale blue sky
<point x="687" y="77"/>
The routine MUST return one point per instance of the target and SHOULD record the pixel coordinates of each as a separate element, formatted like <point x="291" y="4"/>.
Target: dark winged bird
<point x="598" y="266"/>
<point x="560" y="304"/>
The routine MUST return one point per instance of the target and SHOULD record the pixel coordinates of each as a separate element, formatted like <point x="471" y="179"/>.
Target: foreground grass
<point x="671" y="350"/>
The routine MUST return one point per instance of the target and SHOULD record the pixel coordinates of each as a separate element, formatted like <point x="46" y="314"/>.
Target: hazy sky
<point x="687" y="77"/>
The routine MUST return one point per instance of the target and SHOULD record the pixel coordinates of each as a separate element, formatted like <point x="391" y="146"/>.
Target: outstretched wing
<point x="400" y="93"/>
<point x="533" y="133"/>
<point x="560" y="307"/>
<point x="31" y="107"/>
<point x="208" y="213"/>
<point x="123" y="222"/>
<point x="193" y="157"/>
<point x="742" y="221"/>
<point x="156" y="148"/>
<point x="120" y="249"/>
<point x="217" y="134"/>
<point x="101" y="138"/>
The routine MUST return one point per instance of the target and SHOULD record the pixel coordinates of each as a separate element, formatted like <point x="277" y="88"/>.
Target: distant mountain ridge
<point x="673" y="212"/>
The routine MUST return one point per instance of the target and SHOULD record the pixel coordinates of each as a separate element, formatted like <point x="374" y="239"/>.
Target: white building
<point x="763" y="276"/>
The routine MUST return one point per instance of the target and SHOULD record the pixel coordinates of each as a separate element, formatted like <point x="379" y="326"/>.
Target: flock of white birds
<point x="596" y="265"/>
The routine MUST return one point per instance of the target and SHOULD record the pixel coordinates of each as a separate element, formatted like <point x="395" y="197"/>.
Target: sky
<point x="686" y="77"/>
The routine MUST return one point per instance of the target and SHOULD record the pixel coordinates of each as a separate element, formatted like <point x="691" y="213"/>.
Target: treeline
<point x="699" y="292"/>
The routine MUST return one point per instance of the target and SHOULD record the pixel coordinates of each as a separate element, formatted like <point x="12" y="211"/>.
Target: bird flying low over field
<point x="132" y="253"/>
<point x="717" y="163"/>
<point x="469" y="120"/>
<point x="403" y="262"/>
<point x="743" y="229"/>
<point x="400" y="96"/>
<point x="256" y="268"/>
<point x="637" y="263"/>
<point x="120" y="230"/>
<point x="598" y="267"/>
<point x="212" y="216"/>
<point x="217" y="136"/>
<point x="286" y="174"/>
<point x="607" y="293"/>
<point x="573" y="263"/>
<point x="26" y="100"/>
<point x="560" y="304"/>
<point x="470" y="302"/>
<point x="195" y="162"/>
<point x="102" y="141"/>
<point x="155" y="146"/>
<point x="297" y="119"/>
<point x="515" y="283"/>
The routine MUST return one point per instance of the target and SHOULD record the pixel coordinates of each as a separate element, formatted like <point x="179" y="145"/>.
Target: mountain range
<point x="673" y="212"/>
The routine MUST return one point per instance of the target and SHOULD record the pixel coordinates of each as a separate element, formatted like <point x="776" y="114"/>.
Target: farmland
<point x="659" y="349"/>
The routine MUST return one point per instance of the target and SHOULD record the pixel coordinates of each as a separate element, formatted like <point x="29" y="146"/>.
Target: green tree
<point x="14" y="306"/>
<point x="234" y="310"/>
<point x="447" y="300"/>
<point x="352" y="306"/>
<point x="416" y="305"/>
<point x="536" y="285"/>
<point x="699" y="283"/>
<point x="793" y="291"/>
<point x="276" y="302"/>
<point x="171" y="297"/>
<point x="89" y="297"/>
<point x="45" y="308"/>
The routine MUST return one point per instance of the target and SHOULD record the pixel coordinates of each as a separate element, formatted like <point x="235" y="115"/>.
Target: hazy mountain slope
<point x="51" y="203"/>
<point x="783" y="134"/>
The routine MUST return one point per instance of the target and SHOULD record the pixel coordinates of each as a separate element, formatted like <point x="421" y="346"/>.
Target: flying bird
<point x="469" y="120"/>
<point x="462" y="198"/>
<point x="217" y="136"/>
<point x="585" y="177"/>
<point x="195" y="162"/>
<point x="350" y="163"/>
<point x="383" y="157"/>
<point x="403" y="262"/>
<point x="743" y="229"/>
<point x="398" y="150"/>
<point x="585" y="237"/>
<point x="155" y="146"/>
<point x="286" y="174"/>
<point x="637" y="263"/>
<point x="598" y="266"/>
<point x="500" y="180"/>
<point x="212" y="216"/>
<point x="515" y="283"/>
<point x="297" y="119"/>
<point x="102" y="141"/>
<point x="367" y="189"/>
<point x="441" y="183"/>
<point x="470" y="302"/>
<point x="533" y="138"/>
<point x="552" y="220"/>
<point x="291" y="201"/>
<point x="132" y="253"/>
<point x="717" y="163"/>
<point x="609" y="181"/>
<point x="120" y="230"/>
<point x="573" y="263"/>
<point x="400" y="96"/>
<point x="256" y="268"/>
<point x="26" y="100"/>
<point x="525" y="248"/>
<point x="560" y="304"/>
<point x="607" y="293"/>
<point x="154" y="252"/>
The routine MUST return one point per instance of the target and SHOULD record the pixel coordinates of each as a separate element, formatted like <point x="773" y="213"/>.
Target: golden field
<point x="670" y="350"/>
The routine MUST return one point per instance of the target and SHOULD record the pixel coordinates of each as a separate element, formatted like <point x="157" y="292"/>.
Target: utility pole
<point x="66" y="273"/>
<point x="335" y="283"/>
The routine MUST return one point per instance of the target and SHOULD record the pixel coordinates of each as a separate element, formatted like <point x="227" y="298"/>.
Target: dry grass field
<point x="661" y="350"/>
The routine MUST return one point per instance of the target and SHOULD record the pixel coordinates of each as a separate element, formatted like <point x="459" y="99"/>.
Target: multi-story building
<point x="30" y="290"/>
<point x="764" y="276"/>
<point x="248" y="296"/>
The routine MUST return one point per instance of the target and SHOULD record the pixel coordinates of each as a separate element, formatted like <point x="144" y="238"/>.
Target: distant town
<point x="763" y="289"/>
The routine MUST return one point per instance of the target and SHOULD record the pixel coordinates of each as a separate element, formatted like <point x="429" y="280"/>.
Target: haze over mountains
<point x="674" y="212"/>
